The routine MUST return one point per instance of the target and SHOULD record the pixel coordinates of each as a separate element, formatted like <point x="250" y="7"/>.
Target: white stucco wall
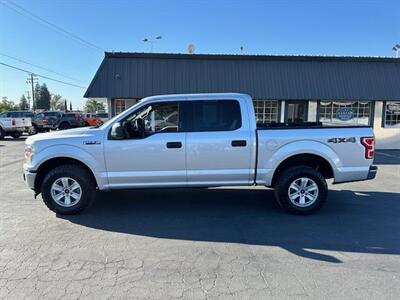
<point x="386" y="138"/>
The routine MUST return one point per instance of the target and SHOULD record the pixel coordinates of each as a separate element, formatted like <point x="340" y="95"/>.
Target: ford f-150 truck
<point x="213" y="141"/>
<point x="14" y="123"/>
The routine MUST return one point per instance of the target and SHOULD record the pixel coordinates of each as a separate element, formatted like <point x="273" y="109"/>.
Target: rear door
<point x="218" y="143"/>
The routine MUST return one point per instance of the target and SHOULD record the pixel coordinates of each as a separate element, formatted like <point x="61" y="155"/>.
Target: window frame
<point x="371" y="116"/>
<point x="279" y="110"/>
<point x="384" y="125"/>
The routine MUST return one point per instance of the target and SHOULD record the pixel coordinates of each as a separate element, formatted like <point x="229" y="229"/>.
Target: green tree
<point x="70" y="106"/>
<point x="37" y="96"/>
<point x="65" y="105"/>
<point x="56" y="103"/>
<point x="7" y="105"/>
<point x="92" y="106"/>
<point x="43" y="102"/>
<point x="23" y="103"/>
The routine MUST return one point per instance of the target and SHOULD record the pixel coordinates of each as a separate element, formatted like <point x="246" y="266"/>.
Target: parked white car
<point x="213" y="141"/>
<point x="14" y="123"/>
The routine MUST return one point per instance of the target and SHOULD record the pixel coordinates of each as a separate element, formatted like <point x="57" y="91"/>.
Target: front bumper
<point x="29" y="178"/>
<point x="372" y="172"/>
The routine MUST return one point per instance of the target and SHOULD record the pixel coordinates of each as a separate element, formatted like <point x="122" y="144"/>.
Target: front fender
<point x="93" y="160"/>
<point x="275" y="157"/>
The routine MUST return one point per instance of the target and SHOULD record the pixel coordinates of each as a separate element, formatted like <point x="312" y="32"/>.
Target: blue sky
<point x="322" y="27"/>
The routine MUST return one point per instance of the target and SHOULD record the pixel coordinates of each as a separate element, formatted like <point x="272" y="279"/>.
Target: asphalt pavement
<point x="201" y="243"/>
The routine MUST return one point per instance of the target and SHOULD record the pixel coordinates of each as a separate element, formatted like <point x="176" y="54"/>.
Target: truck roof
<point x="199" y="96"/>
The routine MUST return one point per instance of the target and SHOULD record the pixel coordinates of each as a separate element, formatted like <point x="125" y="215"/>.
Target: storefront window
<point x="119" y="106"/>
<point x="266" y="111"/>
<point x="392" y="114"/>
<point x="334" y="113"/>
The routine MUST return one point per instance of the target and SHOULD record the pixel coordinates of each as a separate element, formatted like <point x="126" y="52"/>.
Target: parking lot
<point x="201" y="243"/>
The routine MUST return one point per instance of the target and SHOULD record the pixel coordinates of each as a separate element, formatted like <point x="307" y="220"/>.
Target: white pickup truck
<point x="14" y="124"/>
<point x="213" y="140"/>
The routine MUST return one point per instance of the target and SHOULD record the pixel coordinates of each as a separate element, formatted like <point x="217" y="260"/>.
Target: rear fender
<point x="267" y="168"/>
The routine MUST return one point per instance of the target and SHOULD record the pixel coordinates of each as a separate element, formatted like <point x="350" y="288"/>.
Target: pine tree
<point x="43" y="101"/>
<point x="65" y="105"/>
<point x="23" y="103"/>
<point x="70" y="106"/>
<point x="37" y="96"/>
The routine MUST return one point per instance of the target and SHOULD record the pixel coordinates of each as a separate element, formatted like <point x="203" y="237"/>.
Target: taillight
<point x="13" y="122"/>
<point x="369" y="145"/>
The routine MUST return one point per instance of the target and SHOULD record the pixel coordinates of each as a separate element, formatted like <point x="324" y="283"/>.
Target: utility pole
<point x="32" y="80"/>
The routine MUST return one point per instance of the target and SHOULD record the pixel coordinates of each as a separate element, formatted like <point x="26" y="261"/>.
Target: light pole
<point x="396" y="48"/>
<point x="151" y="42"/>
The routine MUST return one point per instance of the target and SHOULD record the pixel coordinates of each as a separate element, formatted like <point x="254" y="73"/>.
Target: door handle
<point x="174" y="145"/>
<point x="240" y="143"/>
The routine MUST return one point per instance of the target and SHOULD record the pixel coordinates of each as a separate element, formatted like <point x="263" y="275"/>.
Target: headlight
<point x="28" y="152"/>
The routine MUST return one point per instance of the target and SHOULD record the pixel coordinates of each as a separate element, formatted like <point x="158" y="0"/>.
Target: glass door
<point x="296" y="111"/>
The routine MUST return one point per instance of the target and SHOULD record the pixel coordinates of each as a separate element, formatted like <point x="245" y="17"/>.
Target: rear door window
<point x="213" y="115"/>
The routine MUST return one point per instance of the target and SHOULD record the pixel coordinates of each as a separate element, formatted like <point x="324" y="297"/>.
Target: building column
<point x="282" y="117"/>
<point x="312" y="111"/>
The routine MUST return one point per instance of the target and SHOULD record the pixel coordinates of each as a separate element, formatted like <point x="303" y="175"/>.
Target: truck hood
<point x="71" y="134"/>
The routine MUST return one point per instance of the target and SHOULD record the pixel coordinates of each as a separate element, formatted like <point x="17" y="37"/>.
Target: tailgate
<point x="27" y="122"/>
<point x="22" y="122"/>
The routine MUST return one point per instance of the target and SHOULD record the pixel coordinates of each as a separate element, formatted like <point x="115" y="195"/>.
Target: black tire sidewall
<point x="2" y="133"/>
<point x="63" y="126"/>
<point x="81" y="176"/>
<point x="291" y="174"/>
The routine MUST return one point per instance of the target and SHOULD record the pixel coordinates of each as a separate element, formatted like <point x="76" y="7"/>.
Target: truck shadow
<point x="364" y="222"/>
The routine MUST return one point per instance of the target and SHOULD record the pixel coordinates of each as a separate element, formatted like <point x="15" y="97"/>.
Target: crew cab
<point x="14" y="123"/>
<point x="198" y="140"/>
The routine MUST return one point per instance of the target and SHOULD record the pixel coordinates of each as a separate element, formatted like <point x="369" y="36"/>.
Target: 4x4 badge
<point x="342" y="140"/>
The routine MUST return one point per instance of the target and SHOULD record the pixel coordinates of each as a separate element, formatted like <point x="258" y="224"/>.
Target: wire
<point x="43" y="68"/>
<point x="24" y="12"/>
<point x="42" y="76"/>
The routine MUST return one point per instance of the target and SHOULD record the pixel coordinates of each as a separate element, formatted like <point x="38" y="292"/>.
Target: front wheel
<point x="68" y="189"/>
<point x="301" y="190"/>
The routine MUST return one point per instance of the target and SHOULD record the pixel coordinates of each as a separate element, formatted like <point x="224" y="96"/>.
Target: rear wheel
<point x="68" y="189"/>
<point x="301" y="190"/>
<point x="16" y="135"/>
<point x="1" y="133"/>
<point x="63" y="126"/>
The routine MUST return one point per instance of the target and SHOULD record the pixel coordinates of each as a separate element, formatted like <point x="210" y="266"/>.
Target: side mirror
<point x="117" y="132"/>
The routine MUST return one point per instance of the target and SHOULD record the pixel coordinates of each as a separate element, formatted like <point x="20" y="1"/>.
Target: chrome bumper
<point x="29" y="178"/>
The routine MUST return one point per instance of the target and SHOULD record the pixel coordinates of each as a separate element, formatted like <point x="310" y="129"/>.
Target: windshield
<point x="117" y="116"/>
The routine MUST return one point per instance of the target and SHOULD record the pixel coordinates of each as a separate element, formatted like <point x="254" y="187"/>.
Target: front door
<point x="296" y="111"/>
<point x="154" y="157"/>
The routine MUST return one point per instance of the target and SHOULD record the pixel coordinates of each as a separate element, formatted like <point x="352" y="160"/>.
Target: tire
<point x="2" y="134"/>
<point x="34" y="130"/>
<point x="64" y="126"/>
<point x="55" y="180"/>
<point x="16" y="135"/>
<point x="307" y="187"/>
